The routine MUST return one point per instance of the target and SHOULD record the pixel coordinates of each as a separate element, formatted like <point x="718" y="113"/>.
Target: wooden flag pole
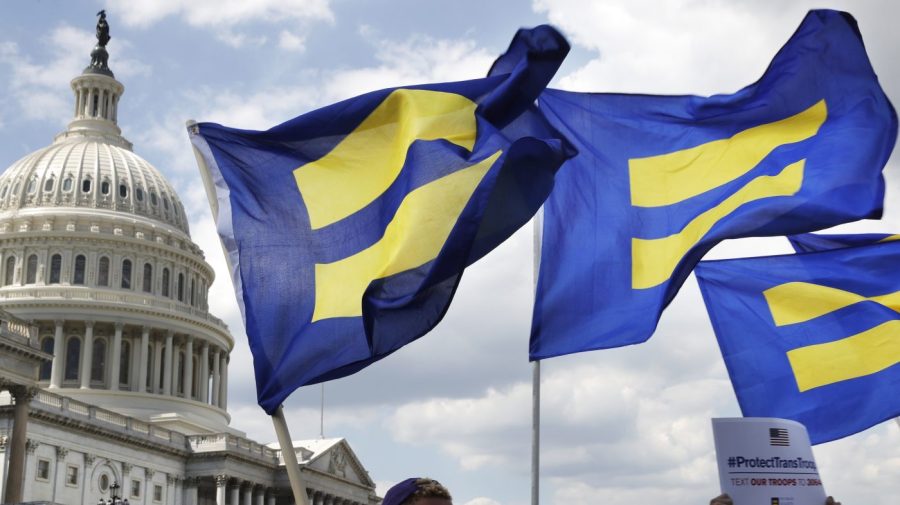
<point x="281" y="429"/>
<point x="536" y="379"/>
<point x="289" y="457"/>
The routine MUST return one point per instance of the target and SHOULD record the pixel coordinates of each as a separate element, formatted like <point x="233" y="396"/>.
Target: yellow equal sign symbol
<point x="365" y="164"/>
<point x="858" y="355"/>
<point x="667" y="179"/>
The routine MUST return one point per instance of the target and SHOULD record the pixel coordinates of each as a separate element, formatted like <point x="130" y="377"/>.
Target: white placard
<point x="766" y="461"/>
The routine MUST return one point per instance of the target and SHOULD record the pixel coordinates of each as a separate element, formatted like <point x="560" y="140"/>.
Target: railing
<point x="137" y="429"/>
<point x="51" y="402"/>
<point x="226" y="442"/>
<point x="71" y="293"/>
<point x="17" y="330"/>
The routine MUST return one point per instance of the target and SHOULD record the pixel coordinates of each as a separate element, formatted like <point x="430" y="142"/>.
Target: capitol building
<point x="113" y="373"/>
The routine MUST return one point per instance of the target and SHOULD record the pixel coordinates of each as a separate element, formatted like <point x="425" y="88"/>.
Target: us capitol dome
<point x="113" y="373"/>
<point x="96" y="251"/>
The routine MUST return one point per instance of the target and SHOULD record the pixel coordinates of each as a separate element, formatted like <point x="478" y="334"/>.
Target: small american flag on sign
<point x="779" y="437"/>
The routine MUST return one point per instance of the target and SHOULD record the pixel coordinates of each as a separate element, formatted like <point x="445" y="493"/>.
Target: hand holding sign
<point x="766" y="461"/>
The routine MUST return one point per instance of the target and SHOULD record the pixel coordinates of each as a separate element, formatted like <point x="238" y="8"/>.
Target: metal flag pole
<point x="281" y="429"/>
<point x="322" y="414"/>
<point x="536" y="378"/>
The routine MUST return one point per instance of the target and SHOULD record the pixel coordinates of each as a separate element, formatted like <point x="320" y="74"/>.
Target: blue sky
<point x="621" y="426"/>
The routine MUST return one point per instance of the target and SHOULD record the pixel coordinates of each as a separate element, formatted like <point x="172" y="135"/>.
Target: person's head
<point x="418" y="491"/>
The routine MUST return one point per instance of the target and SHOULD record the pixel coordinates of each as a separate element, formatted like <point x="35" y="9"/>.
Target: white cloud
<point x="291" y="42"/>
<point x="226" y="18"/>
<point x="684" y="46"/>
<point x="217" y="13"/>
<point x="417" y="60"/>
<point x="41" y="90"/>
<point x="482" y="501"/>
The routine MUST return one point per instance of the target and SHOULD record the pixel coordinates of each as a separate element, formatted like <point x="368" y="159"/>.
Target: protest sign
<point x="766" y="461"/>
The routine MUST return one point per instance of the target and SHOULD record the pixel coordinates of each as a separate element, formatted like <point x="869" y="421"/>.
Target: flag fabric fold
<point x="814" y="242"/>
<point x="811" y="337"/>
<point x="348" y="227"/>
<point x="659" y="180"/>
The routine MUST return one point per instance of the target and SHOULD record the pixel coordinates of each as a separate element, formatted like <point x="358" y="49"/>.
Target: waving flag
<point x="659" y="180"/>
<point x="349" y="227"/>
<point x="811" y="337"/>
<point x="813" y="242"/>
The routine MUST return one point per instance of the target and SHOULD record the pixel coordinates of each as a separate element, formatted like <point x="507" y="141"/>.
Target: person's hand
<point x="724" y="499"/>
<point x="830" y="501"/>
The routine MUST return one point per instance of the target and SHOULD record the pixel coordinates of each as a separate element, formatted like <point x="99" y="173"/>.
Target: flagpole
<point x="289" y="457"/>
<point x="536" y="378"/>
<point x="281" y="429"/>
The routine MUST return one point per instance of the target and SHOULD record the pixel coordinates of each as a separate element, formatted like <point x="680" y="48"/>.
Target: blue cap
<point x="400" y="492"/>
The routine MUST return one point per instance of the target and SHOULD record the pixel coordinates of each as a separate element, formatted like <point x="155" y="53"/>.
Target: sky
<point x="622" y="426"/>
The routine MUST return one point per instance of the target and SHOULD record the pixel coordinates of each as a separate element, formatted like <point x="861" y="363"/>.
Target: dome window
<point x="175" y="208"/>
<point x="3" y="191"/>
<point x="104" y="187"/>
<point x="47" y="366"/>
<point x="31" y="270"/>
<point x="55" y="268"/>
<point x="48" y="185"/>
<point x="86" y="186"/>
<point x="103" y="271"/>
<point x="123" y="191"/>
<point x="125" y="363"/>
<point x="126" y="274"/>
<point x="165" y="282"/>
<point x="148" y="278"/>
<point x="15" y="188"/>
<point x="152" y="197"/>
<point x="78" y="277"/>
<point x="180" y="287"/>
<point x="166" y="203"/>
<point x="139" y="193"/>
<point x="67" y="184"/>
<point x="32" y="184"/>
<point x="98" y="361"/>
<point x="73" y="351"/>
<point x="10" y="271"/>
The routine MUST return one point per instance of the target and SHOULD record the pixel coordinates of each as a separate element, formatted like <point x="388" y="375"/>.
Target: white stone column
<point x="176" y="352"/>
<point x="142" y="359"/>
<point x="216" y="377"/>
<point x="223" y="383"/>
<point x="157" y="364"/>
<point x="221" y="483"/>
<point x="167" y="370"/>
<point x="236" y="493"/>
<point x="248" y="493"/>
<point x="173" y="490"/>
<point x="203" y="387"/>
<point x="259" y="495"/>
<point x="190" y="491"/>
<point x="116" y="358"/>
<point x="56" y="367"/>
<point x="270" y="500"/>
<point x="188" y="378"/>
<point x="87" y="355"/>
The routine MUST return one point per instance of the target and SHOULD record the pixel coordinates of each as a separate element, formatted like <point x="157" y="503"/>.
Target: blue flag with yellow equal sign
<point x="348" y="228"/>
<point x="660" y="180"/>
<point x="811" y="337"/>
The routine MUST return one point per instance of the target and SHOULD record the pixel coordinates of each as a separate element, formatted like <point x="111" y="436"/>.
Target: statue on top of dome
<point x="102" y="29"/>
<point x="99" y="56"/>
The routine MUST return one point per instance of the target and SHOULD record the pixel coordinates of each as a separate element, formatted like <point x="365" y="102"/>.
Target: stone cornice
<point x="103" y="432"/>
<point x="117" y="310"/>
<point x="8" y="346"/>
